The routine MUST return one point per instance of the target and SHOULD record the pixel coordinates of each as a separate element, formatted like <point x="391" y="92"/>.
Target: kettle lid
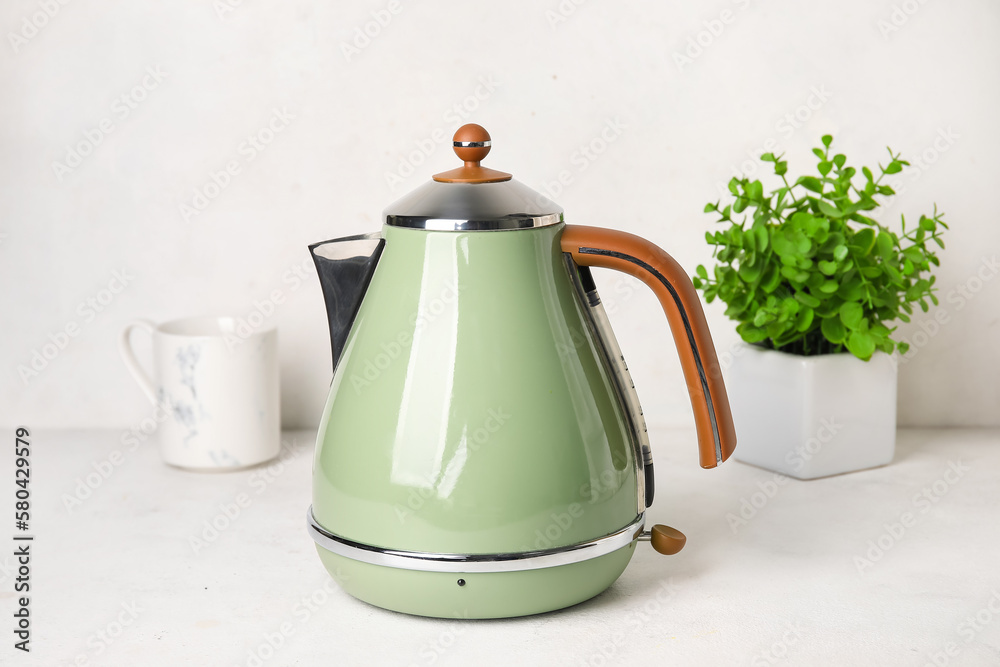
<point x="473" y="197"/>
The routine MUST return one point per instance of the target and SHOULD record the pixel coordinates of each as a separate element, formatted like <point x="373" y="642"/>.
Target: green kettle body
<point x="481" y="453"/>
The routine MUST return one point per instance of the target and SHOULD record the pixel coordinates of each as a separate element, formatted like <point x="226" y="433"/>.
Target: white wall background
<point x="557" y="84"/>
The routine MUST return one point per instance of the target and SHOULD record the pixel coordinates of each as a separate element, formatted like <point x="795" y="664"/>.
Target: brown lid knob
<point x="472" y="144"/>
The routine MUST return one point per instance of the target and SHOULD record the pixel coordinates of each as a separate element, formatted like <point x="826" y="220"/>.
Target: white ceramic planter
<point x="809" y="417"/>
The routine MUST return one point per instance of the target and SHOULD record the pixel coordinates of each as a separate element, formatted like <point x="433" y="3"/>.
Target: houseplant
<point x="816" y="283"/>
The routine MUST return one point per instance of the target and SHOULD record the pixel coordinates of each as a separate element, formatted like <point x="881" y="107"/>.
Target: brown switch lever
<point x="665" y="539"/>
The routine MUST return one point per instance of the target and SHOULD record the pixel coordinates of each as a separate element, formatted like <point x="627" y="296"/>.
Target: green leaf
<point x="851" y="289"/>
<point x="767" y="157"/>
<point x="828" y="209"/>
<point x="807" y="299"/>
<point x="804" y="319"/>
<point x="810" y="183"/>
<point x="824" y="167"/>
<point x="886" y="245"/>
<point x="879" y="331"/>
<point x="771" y="278"/>
<point x="829" y="287"/>
<point x="851" y="314"/>
<point x="833" y="330"/>
<point x="782" y="246"/>
<point x="794" y="274"/>
<point x="840" y="252"/>
<point x="827" y="140"/>
<point x="864" y="240"/>
<point x="861" y="345"/>
<point x="702" y="273"/>
<point x="839" y="159"/>
<point x="894" y="167"/>
<point x="827" y="267"/>
<point x="868" y="174"/>
<point x="760" y="231"/>
<point x="750" y="333"/>
<point x="871" y="271"/>
<point x="749" y="273"/>
<point x="736" y="235"/>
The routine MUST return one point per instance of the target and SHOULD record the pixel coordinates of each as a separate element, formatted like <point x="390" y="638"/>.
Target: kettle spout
<point x="345" y="267"/>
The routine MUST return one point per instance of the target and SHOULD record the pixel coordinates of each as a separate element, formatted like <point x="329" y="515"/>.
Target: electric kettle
<point x="482" y="452"/>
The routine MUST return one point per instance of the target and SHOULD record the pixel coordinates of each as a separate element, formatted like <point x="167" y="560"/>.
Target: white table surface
<point x="785" y="588"/>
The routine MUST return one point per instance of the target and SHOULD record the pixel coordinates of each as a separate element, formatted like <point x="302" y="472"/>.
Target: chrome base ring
<point x="499" y="562"/>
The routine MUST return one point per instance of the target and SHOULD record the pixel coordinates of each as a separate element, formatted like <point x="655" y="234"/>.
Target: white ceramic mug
<point x="218" y="388"/>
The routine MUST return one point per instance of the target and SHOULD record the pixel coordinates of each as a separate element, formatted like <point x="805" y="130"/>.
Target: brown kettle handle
<point x="608" y="248"/>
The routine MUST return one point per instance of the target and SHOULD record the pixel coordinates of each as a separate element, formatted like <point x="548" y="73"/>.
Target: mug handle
<point x="128" y="356"/>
